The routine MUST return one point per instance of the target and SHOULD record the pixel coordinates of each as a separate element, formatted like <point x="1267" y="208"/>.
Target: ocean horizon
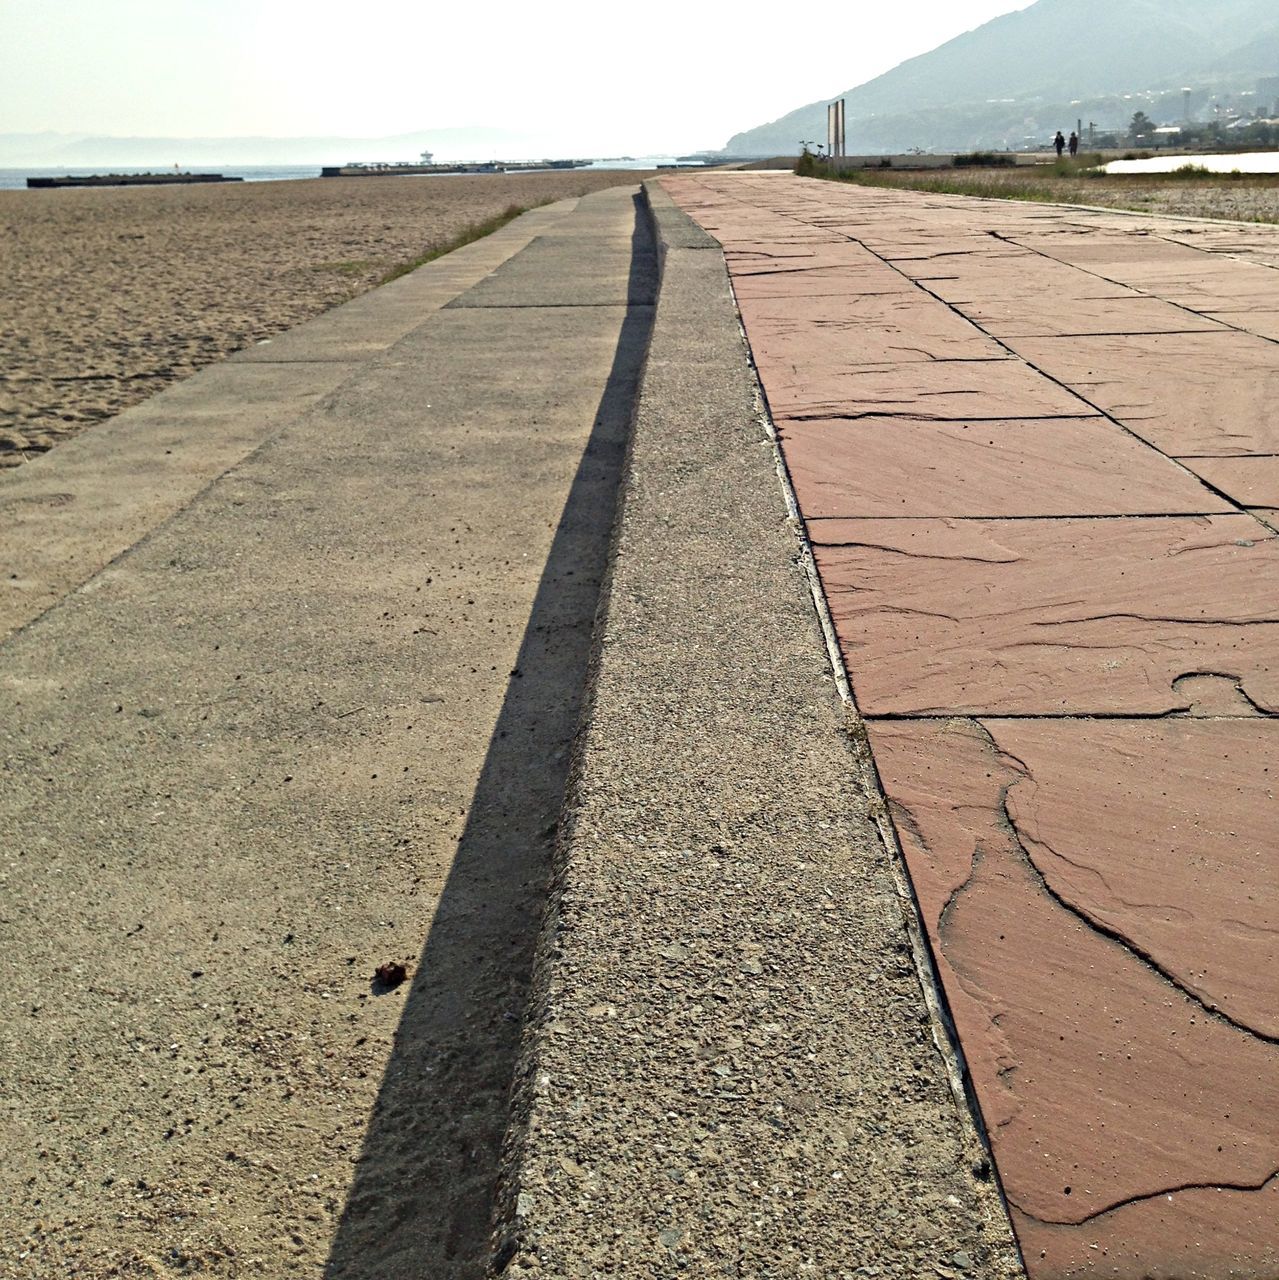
<point x="16" y="179"/>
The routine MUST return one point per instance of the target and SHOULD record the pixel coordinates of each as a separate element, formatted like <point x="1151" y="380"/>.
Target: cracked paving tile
<point x="1263" y="323"/>
<point x="1077" y="317"/>
<point x="958" y="390"/>
<point x="1249" y="481"/>
<point x="1186" y="393"/>
<point x="896" y="467"/>
<point x="1136" y="1131"/>
<point x="879" y="296"/>
<point x="1138" y="253"/>
<point x="1053" y="617"/>
<point x="961" y="281"/>
<point x="900" y="334"/>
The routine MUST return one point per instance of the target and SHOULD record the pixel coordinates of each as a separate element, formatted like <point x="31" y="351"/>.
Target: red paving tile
<point x="1068" y="317"/>
<point x="1251" y="482"/>
<point x="1088" y="927"/>
<point x="887" y="327"/>
<point x="896" y="467"/>
<point x="1186" y="393"/>
<point x="1100" y="895"/>
<point x="939" y="390"/>
<point x="1051" y="617"/>
<point x="1028" y="277"/>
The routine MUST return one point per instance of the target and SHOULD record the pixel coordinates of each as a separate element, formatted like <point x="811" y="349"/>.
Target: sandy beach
<point x="107" y="295"/>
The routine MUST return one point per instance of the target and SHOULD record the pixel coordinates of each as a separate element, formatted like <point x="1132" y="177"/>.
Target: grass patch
<point x="1200" y="173"/>
<point x="947" y="184"/>
<point x="468" y="235"/>
<point x="1198" y="193"/>
<point x="355" y="267"/>
<point x="985" y="160"/>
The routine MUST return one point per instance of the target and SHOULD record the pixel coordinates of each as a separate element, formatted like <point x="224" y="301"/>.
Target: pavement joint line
<point x="1074" y="515"/>
<point x="930" y="417"/>
<point x="148" y="535"/>
<point x="941" y="717"/>
<point x="1030" y="364"/>
<point x="1181" y="306"/>
<point x="945" y="1035"/>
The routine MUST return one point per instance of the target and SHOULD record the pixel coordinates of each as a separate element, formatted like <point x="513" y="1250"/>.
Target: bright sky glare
<point x="572" y="77"/>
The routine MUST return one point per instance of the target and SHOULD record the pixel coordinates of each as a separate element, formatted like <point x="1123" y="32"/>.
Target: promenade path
<point x="1036" y="453"/>
<point x="327" y="658"/>
<point x="291" y="660"/>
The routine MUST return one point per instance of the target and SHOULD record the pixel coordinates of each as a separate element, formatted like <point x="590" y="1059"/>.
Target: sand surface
<point x="107" y="295"/>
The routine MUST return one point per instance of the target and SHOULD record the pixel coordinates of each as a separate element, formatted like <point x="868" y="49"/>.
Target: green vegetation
<point x="948" y="184"/>
<point x="354" y="267"/>
<point x="468" y="235"/>
<point x="1190" y="192"/>
<point x="811" y="166"/>
<point x="1200" y="173"/>
<point x="984" y="160"/>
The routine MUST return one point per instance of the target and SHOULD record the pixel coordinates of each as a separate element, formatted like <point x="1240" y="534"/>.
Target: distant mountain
<point x="1259" y="57"/>
<point x="1056" y="52"/>
<point x="78" y="151"/>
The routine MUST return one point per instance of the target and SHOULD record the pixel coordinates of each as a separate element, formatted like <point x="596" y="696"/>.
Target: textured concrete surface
<point x="313" y="718"/>
<point x="1096" y="873"/>
<point x="65" y="519"/>
<point x="731" y="1070"/>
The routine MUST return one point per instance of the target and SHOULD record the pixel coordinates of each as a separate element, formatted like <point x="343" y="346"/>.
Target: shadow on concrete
<point x="421" y="1201"/>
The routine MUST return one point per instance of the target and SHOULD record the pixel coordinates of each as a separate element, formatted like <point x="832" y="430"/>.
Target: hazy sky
<point x="574" y="77"/>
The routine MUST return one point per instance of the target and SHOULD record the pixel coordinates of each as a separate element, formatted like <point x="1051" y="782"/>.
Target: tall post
<point x="835" y="137"/>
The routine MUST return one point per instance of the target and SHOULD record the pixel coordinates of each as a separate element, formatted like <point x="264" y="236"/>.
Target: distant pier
<point x="409" y="170"/>
<point x="129" y="180"/>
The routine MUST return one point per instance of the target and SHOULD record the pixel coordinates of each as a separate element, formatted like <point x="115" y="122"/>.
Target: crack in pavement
<point x="1115" y="935"/>
<point x="1144" y="1198"/>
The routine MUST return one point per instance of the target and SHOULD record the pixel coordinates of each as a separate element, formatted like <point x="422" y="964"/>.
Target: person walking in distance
<point x="1074" y="144"/>
<point x="1059" y="143"/>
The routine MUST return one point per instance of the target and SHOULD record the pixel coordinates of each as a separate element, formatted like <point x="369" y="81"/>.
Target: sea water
<point x="17" y="178"/>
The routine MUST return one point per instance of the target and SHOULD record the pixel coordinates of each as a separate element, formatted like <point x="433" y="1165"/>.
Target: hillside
<point x="1056" y="52"/>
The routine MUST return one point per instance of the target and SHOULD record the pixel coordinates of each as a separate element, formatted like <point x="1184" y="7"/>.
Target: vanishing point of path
<point x="1036" y="452"/>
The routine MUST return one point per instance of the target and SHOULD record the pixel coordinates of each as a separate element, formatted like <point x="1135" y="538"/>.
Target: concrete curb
<point x="728" y="1066"/>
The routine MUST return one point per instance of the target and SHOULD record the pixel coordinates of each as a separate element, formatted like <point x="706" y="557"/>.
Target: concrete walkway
<point x="1037" y="457"/>
<point x="731" y="1068"/>
<point x="295" y="655"/>
<point x="293" y="658"/>
<point x="292" y="661"/>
